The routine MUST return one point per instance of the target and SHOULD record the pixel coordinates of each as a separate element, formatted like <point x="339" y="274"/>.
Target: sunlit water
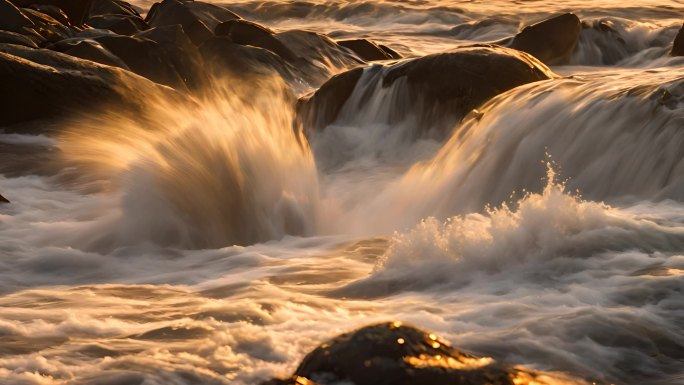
<point x="547" y="230"/>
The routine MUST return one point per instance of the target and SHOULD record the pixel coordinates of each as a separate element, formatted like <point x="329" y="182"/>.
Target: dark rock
<point x="54" y="12"/>
<point x="323" y="106"/>
<point x="678" y="44"/>
<point x="552" y="41"/>
<point x="43" y="84"/>
<point x="120" y="24"/>
<point x="245" y="32"/>
<point x="185" y="13"/>
<point x="389" y="51"/>
<point x="393" y="354"/>
<point x="225" y="55"/>
<point x="366" y="49"/>
<point x="180" y="51"/>
<point x="3" y="199"/>
<point x="112" y="7"/>
<point x="94" y="51"/>
<point x="46" y="26"/>
<point x="144" y="57"/>
<point x="11" y="18"/>
<point x="602" y="44"/>
<point x="16" y="38"/>
<point x="450" y="83"/>
<point x="76" y="10"/>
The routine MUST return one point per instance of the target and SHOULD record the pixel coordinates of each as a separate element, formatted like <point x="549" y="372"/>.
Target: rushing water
<point x="546" y="230"/>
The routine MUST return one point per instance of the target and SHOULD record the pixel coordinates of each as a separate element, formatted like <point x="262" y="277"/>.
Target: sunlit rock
<point x="678" y="44"/>
<point x="393" y="353"/>
<point x="245" y="32"/>
<point x="43" y="84"/>
<point x="368" y="50"/>
<point x="197" y="18"/>
<point x="76" y="10"/>
<point x="450" y="84"/>
<point x="552" y="41"/>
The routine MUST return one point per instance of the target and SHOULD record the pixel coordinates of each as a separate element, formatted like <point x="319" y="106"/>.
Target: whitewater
<point x="212" y="243"/>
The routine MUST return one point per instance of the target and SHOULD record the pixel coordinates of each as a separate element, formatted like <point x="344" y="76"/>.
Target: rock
<point x="181" y="52"/>
<point x="245" y="32"/>
<point x="16" y="38"/>
<point x="294" y="380"/>
<point x="11" y="18"/>
<point x="112" y="7"/>
<point x="94" y="51"/>
<point x="3" y="199"/>
<point x="54" y="12"/>
<point x="552" y="41"/>
<point x="323" y="106"/>
<point x="43" y="84"/>
<point x="144" y="57"/>
<point x="190" y="14"/>
<point x="602" y="44"/>
<point x="450" y="83"/>
<point x="678" y="44"/>
<point x="76" y="10"/>
<point x="392" y="353"/>
<point x="389" y="51"/>
<point x="366" y="49"/>
<point x="244" y="60"/>
<point x="46" y="26"/>
<point x="121" y="24"/>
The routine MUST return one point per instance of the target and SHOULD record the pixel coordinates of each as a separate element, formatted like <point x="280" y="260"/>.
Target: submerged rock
<point x="678" y="44"/>
<point x="552" y="41"/>
<point x="450" y="83"/>
<point x="368" y="50"/>
<point x="392" y="353"/>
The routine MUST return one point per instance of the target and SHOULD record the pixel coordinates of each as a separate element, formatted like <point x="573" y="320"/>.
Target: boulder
<point x="76" y="10"/>
<point x="180" y="51"/>
<point x="389" y="51"/>
<point x="11" y="18"/>
<point x="552" y="41"/>
<point x="393" y="353"/>
<point x="144" y="57"/>
<point x="16" y="38"/>
<point x="94" y="51"/>
<point x="54" y="12"/>
<point x="121" y="24"/>
<point x="43" y="84"/>
<point x="678" y="44"/>
<point x="367" y="50"/>
<point x="3" y="199"/>
<point x="189" y="14"/>
<point x="245" y="32"/>
<point x="294" y="380"/>
<point x="450" y="84"/>
<point x="112" y="7"/>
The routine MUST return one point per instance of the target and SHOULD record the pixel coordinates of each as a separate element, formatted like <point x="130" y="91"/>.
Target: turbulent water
<point x="546" y="230"/>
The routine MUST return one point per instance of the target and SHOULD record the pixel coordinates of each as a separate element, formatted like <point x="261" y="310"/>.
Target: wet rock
<point x="76" y="10"/>
<point x="601" y="44"/>
<point x="144" y="57"/>
<point x="46" y="26"/>
<point x="54" y="12"/>
<point x="225" y="55"/>
<point x="245" y="32"/>
<point x="3" y="199"/>
<point x="11" y="18"/>
<point x="450" y="83"/>
<point x="112" y="7"/>
<point x="392" y="53"/>
<point x="120" y="24"/>
<point x="552" y="41"/>
<point x="16" y="38"/>
<point x="43" y="84"/>
<point x="678" y="44"/>
<point x="367" y="50"/>
<point x="392" y="353"/>
<point x="94" y="51"/>
<point x="197" y="18"/>
<point x="294" y="380"/>
<point x="180" y="51"/>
